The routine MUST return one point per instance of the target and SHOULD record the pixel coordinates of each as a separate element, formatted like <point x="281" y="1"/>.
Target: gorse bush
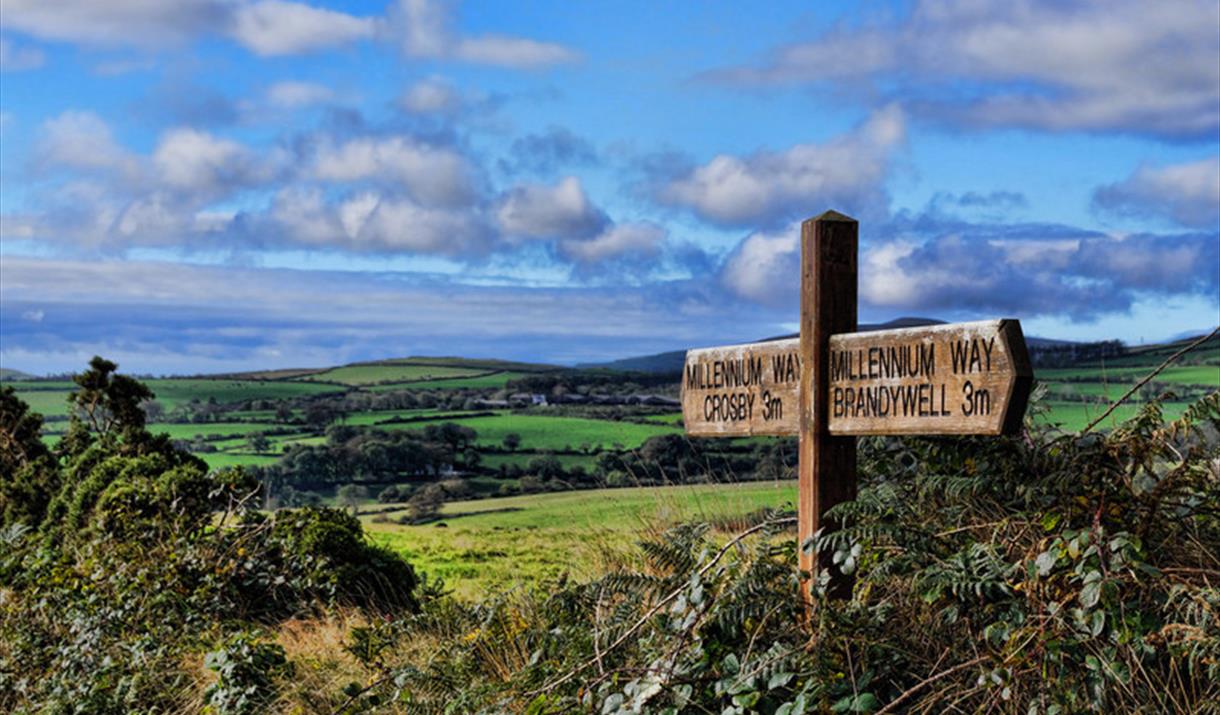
<point x="1042" y="574"/>
<point x="141" y="560"/>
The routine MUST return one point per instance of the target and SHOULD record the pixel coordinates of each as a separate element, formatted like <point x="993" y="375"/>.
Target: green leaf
<point x="865" y="703"/>
<point x="1099" y="623"/>
<point x="1090" y="594"/>
<point x="1045" y="562"/>
<point x="732" y="666"/>
<point x="746" y="700"/>
<point x="778" y="680"/>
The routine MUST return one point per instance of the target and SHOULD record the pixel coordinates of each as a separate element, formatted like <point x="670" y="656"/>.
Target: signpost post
<point x="833" y="383"/>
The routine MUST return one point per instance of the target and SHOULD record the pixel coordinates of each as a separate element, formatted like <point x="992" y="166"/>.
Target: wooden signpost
<point x="833" y="383"/>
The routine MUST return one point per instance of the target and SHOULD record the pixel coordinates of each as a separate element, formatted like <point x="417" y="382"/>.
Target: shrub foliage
<point x="122" y="558"/>
<point x="1041" y="574"/>
<point x="1046" y="573"/>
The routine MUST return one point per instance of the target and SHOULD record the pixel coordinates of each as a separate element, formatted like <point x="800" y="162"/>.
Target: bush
<point x="341" y="561"/>
<point x="1048" y="573"/>
<point x="395" y="493"/>
<point x="247" y="669"/>
<point x="143" y="559"/>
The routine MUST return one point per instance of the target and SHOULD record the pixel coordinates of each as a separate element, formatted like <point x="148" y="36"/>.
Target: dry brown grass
<point x="321" y="666"/>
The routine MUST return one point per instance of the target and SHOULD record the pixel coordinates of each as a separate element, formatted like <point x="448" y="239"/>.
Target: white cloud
<point x="541" y="211"/>
<point x="767" y="187"/>
<point x="83" y="140"/>
<point x="205" y="165"/>
<point x="628" y="240"/>
<point x="421" y="28"/>
<point x="763" y="267"/>
<point x="1017" y="270"/>
<point x="423" y="31"/>
<point x="512" y="52"/>
<point x="369" y="221"/>
<point x="15" y="59"/>
<point x="431" y="174"/>
<point x="431" y="96"/>
<point x="276" y="27"/>
<point x="293" y="95"/>
<point x="1112" y="65"/>
<point x="1186" y="193"/>
<point x="144" y="23"/>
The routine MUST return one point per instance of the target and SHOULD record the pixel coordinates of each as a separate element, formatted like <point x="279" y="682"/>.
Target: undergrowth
<point x="1042" y="574"/>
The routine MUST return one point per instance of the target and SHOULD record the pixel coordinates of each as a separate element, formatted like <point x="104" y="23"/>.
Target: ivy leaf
<point x="778" y="680"/>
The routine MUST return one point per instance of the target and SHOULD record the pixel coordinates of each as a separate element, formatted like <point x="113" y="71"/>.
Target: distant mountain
<point x="10" y="375"/>
<point x="671" y="362"/>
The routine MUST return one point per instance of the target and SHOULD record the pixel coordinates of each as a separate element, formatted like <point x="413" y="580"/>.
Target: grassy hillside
<point x="542" y="432"/>
<point x="50" y="397"/>
<point x="494" y="380"/>
<point x="1078" y="394"/>
<point x="387" y="372"/>
<point x="492" y="545"/>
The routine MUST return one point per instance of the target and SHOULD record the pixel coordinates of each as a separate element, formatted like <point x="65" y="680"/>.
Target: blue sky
<point x="214" y="185"/>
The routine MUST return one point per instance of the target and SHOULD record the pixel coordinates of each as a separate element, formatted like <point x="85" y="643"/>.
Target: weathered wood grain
<point x="827" y="466"/>
<point x="742" y="390"/>
<point x="963" y="378"/>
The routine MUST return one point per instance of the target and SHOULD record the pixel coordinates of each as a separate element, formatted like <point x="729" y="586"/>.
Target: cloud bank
<point x="1093" y="65"/>
<point x="420" y="28"/>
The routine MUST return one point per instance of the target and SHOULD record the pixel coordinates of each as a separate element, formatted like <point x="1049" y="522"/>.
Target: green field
<point x="541" y="432"/>
<point x="490" y="545"/>
<point x="1101" y="391"/>
<point x="210" y="429"/>
<point x="50" y="398"/>
<point x="390" y="372"/>
<point x="278" y="442"/>
<point x="50" y="403"/>
<point x="220" y="460"/>
<point x="674" y="418"/>
<point x="173" y="392"/>
<point x="489" y="380"/>
<point x="1182" y="375"/>
<point x="1074" y="416"/>
<point x="485" y="364"/>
